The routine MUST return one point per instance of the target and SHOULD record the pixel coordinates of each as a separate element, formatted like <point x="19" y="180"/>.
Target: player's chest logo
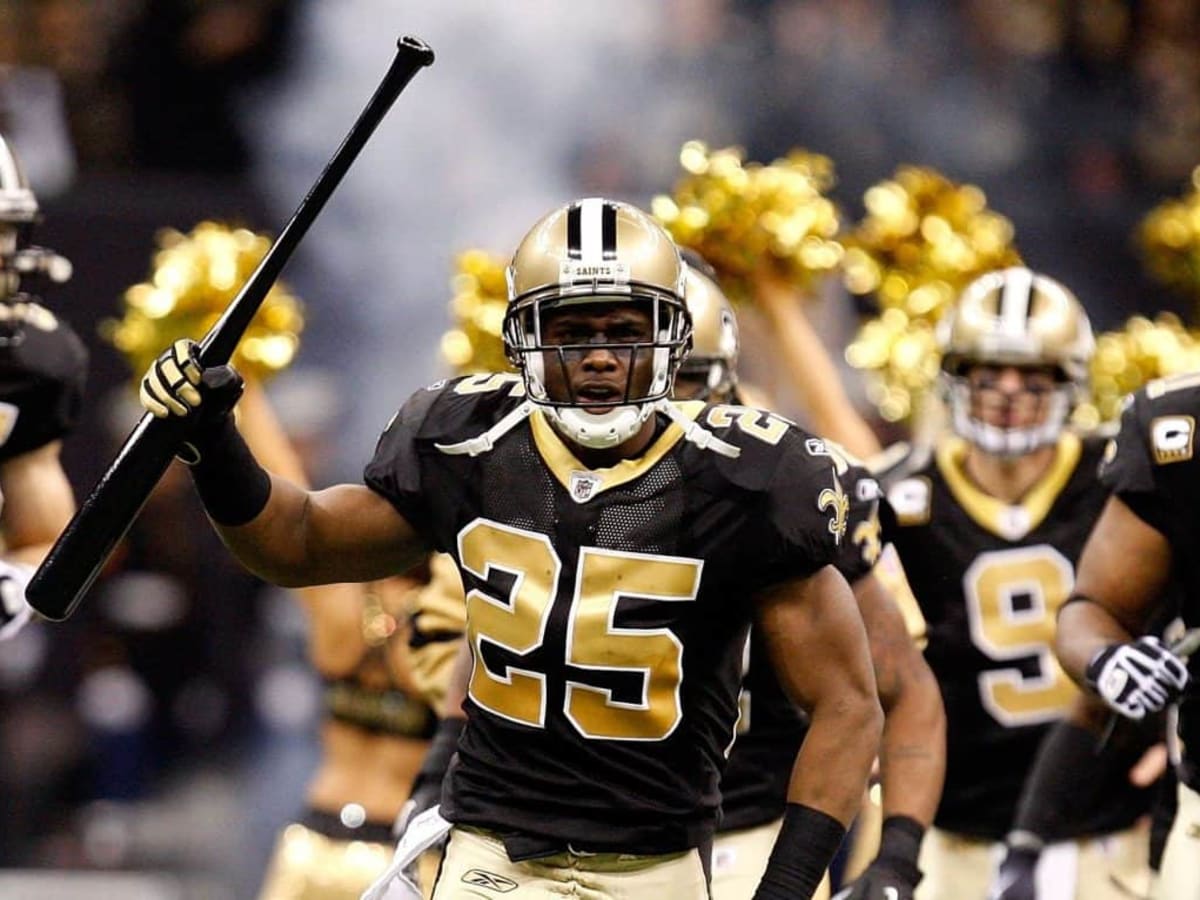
<point x="583" y="486"/>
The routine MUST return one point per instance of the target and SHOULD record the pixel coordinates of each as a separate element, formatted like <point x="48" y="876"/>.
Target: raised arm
<point x="811" y="371"/>
<point x="818" y="648"/>
<point x="279" y="530"/>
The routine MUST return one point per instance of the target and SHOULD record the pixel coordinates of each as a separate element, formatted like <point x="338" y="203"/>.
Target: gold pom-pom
<point x="922" y="239"/>
<point x="1169" y="240"/>
<point x="741" y="216"/>
<point x="900" y="359"/>
<point x="475" y="343"/>
<point x="194" y="277"/>
<point x="1127" y="359"/>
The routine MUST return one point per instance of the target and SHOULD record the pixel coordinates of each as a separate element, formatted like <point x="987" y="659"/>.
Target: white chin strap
<point x="599" y="431"/>
<point x="1007" y="441"/>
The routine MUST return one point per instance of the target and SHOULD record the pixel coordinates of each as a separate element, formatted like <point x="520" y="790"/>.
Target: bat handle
<point x="80" y="552"/>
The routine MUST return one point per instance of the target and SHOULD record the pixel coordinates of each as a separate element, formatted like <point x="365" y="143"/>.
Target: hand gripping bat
<point x="108" y="511"/>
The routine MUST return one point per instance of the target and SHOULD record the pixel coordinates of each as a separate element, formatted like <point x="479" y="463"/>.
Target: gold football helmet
<point x="1015" y="317"/>
<point x="713" y="360"/>
<point x="589" y="251"/>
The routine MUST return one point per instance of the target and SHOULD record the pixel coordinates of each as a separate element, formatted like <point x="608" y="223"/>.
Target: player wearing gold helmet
<point x="600" y="530"/>
<point x="988" y="526"/>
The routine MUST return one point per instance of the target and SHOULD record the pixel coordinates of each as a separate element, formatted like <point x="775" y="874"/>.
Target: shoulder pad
<point x="460" y="408"/>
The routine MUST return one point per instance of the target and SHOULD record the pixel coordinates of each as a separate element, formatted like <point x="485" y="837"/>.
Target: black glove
<point x="176" y="385"/>
<point x="1137" y="678"/>
<point x="14" y="611"/>
<point x="1015" y="879"/>
<point x="893" y="874"/>
<point x="427" y="787"/>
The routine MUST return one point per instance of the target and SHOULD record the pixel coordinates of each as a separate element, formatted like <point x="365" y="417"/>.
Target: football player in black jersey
<point x="988" y="524"/>
<point x="1146" y="536"/>
<point x="912" y="754"/>
<point x="42" y="371"/>
<point x="607" y="539"/>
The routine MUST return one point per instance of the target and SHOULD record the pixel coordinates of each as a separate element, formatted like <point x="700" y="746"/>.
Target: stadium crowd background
<point x="168" y="726"/>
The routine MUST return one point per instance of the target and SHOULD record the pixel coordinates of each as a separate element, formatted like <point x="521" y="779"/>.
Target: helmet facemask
<point x="967" y="417"/>
<point x="649" y="362"/>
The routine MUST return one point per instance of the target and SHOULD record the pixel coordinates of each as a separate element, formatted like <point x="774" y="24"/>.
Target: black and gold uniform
<point x="990" y="578"/>
<point x="771" y="728"/>
<point x="607" y="609"/>
<point x="43" y="367"/>
<point x="1151" y="466"/>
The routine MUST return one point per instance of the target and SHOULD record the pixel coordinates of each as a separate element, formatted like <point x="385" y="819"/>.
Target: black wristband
<point x="442" y="748"/>
<point x="900" y="846"/>
<point x="803" y="851"/>
<point x="232" y="485"/>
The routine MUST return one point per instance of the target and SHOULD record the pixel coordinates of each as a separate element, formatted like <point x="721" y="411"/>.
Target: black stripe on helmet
<point x="575" y="232"/>
<point x="608" y="231"/>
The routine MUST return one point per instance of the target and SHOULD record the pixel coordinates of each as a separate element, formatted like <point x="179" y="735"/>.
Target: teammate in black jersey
<point x="42" y="372"/>
<point x="608" y="541"/>
<point x="1146" y="536"/>
<point x="988" y="526"/>
<point x="754" y="786"/>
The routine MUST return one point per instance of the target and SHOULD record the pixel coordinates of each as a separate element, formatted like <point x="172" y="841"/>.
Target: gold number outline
<point x="1051" y="678"/>
<point x="491" y="381"/>
<point x="768" y="427"/>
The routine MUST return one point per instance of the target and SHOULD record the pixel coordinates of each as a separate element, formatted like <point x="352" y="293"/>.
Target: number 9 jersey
<point x="989" y="578"/>
<point x="606" y="609"/>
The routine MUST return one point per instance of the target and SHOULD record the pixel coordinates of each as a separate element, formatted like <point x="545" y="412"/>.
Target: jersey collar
<point x="1009" y="521"/>
<point x="583" y="483"/>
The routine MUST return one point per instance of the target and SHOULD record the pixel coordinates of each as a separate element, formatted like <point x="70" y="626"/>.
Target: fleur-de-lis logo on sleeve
<point x="834" y="501"/>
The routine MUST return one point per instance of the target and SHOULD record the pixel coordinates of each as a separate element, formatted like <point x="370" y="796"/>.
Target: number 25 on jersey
<point x="518" y="622"/>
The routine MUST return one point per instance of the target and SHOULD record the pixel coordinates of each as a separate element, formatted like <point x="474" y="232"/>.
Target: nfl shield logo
<point x="583" y="486"/>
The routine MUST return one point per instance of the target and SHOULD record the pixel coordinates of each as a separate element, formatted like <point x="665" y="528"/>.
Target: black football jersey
<point x="1152" y="467"/>
<point x="43" y="367"/>
<point x="607" y="609"/>
<point x="771" y="728"/>
<point x="989" y="579"/>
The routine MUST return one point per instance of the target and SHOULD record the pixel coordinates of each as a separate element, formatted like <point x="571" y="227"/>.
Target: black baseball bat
<point x="106" y="514"/>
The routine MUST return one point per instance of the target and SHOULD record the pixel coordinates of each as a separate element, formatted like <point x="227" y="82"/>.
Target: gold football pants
<point x="1179" y="878"/>
<point x="476" y="865"/>
<point x="739" y="858"/>
<point x="1104" y="868"/>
